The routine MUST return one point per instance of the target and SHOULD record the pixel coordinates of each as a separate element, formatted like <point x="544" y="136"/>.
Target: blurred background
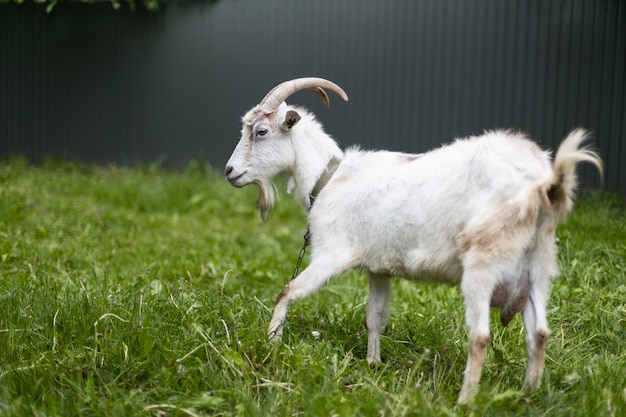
<point x="91" y="83"/>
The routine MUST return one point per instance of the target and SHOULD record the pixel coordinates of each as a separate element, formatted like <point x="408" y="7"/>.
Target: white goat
<point x="480" y="212"/>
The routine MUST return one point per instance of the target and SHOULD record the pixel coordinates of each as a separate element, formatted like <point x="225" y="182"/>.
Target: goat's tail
<point x="561" y="190"/>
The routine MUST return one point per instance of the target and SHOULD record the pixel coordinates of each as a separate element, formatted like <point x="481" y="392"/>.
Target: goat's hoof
<point x="374" y="362"/>
<point x="466" y="395"/>
<point x="462" y="401"/>
<point x="530" y="387"/>
<point x="275" y="336"/>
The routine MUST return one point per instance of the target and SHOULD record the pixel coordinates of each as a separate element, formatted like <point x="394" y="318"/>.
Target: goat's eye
<point x="261" y="132"/>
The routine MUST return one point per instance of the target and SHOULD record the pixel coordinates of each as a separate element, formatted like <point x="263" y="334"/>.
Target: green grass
<point x="127" y="292"/>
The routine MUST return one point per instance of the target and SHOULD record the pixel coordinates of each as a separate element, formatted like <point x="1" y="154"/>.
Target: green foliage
<point x="148" y="292"/>
<point x="150" y="5"/>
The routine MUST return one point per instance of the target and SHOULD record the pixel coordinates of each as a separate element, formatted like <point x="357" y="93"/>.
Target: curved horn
<point x="278" y="94"/>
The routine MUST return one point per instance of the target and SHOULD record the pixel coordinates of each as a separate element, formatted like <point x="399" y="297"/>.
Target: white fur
<point x="480" y="213"/>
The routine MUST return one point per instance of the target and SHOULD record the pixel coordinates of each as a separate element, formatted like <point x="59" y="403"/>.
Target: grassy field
<point x="145" y="292"/>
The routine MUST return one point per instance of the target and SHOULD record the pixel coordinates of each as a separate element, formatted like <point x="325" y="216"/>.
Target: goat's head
<point x="264" y="149"/>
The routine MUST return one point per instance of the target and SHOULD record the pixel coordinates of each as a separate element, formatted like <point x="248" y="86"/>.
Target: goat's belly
<point x="418" y="268"/>
<point x="434" y="276"/>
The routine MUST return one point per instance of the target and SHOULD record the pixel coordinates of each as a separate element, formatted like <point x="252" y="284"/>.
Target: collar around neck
<point x="328" y="173"/>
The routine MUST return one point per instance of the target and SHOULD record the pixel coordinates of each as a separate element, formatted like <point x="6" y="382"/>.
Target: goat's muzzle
<point x="234" y="177"/>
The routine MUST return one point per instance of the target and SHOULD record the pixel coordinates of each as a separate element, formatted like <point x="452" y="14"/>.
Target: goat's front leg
<point x="536" y="325"/>
<point x="377" y="314"/>
<point x="311" y="280"/>
<point x="477" y="293"/>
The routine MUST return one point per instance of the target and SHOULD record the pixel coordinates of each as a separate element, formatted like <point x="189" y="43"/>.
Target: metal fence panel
<point x="90" y="83"/>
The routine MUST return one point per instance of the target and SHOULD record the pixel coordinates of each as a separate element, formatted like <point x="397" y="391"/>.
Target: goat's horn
<point x="278" y="94"/>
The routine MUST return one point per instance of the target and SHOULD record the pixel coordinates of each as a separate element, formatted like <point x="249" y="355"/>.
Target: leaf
<point x="205" y="401"/>
<point x="50" y="6"/>
<point x="156" y="287"/>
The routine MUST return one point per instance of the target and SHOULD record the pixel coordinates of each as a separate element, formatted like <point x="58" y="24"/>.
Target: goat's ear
<point x="291" y="118"/>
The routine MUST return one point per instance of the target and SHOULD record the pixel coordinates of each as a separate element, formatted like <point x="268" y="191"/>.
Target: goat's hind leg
<point x="542" y="266"/>
<point x="311" y="280"/>
<point x="377" y="314"/>
<point x="537" y="333"/>
<point x="476" y="286"/>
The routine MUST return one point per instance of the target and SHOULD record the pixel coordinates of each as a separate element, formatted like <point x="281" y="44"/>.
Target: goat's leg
<point x="476" y="288"/>
<point x="309" y="281"/>
<point x="535" y="323"/>
<point x="377" y="314"/>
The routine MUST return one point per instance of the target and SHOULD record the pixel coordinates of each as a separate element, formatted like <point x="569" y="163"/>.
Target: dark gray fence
<point x="90" y="83"/>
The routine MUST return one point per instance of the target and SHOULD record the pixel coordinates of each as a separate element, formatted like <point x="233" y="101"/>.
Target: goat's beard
<point x="265" y="199"/>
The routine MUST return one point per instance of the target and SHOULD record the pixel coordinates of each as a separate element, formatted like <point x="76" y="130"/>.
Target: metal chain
<point x="307" y="242"/>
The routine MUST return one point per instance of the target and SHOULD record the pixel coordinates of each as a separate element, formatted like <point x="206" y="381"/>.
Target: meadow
<point x="147" y="292"/>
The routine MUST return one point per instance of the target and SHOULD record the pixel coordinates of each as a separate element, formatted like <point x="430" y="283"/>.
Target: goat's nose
<point x="229" y="169"/>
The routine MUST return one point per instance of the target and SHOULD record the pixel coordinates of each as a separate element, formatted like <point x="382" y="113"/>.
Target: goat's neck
<point x="315" y="163"/>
